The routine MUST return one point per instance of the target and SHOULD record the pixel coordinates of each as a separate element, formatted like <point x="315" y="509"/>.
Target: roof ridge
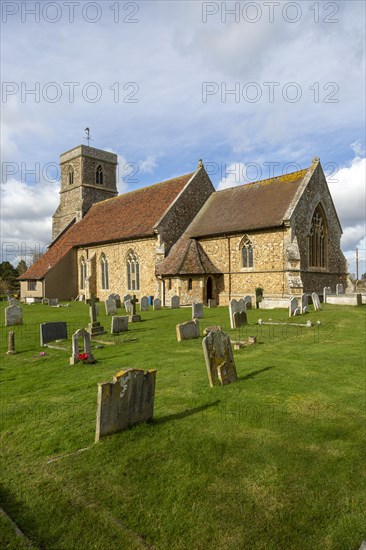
<point x="269" y="180"/>
<point x="186" y="249"/>
<point x="143" y="188"/>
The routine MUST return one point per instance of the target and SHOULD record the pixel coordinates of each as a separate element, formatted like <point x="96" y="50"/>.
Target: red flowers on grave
<point x="83" y="356"/>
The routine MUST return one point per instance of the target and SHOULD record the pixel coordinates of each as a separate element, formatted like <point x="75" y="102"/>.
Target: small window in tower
<point x="71" y="175"/>
<point x="99" y="175"/>
<point x="190" y="284"/>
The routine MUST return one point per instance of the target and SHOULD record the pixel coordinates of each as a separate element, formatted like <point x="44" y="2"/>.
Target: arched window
<point x="318" y="239"/>
<point x="133" y="271"/>
<point x="83" y="273"/>
<point x="71" y="175"/>
<point x="246" y="253"/>
<point x="190" y="284"/>
<point x="99" y="175"/>
<point x="104" y="272"/>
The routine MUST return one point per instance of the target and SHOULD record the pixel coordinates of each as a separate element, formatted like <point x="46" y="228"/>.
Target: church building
<point x="181" y="237"/>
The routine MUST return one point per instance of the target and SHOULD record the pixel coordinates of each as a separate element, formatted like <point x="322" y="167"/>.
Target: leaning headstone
<point x="127" y="297"/>
<point x="94" y="327"/>
<point x="208" y="329"/>
<point x="144" y="303"/>
<point x="240" y="319"/>
<point x="197" y="311"/>
<point x="339" y="289"/>
<point x="156" y="304"/>
<point x="316" y="301"/>
<point x="235" y="306"/>
<point x="11" y="343"/>
<point x="219" y="358"/>
<point x="297" y="312"/>
<point x="126" y="401"/>
<point x="292" y="306"/>
<point x="53" y="302"/>
<point x="188" y="330"/>
<point x="119" y="324"/>
<point x="305" y="309"/>
<point x="174" y="302"/>
<point x="211" y="303"/>
<point x="49" y="332"/>
<point x="110" y="306"/>
<point x="326" y="292"/>
<point x="13" y="316"/>
<point x="128" y="306"/>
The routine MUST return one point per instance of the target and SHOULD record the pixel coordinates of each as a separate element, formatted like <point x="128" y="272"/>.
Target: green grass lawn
<point x="274" y="461"/>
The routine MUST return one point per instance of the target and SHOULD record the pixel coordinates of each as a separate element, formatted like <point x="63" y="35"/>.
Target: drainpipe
<point x="229" y="252"/>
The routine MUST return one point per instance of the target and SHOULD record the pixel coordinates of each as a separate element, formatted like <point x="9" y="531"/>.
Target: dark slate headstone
<point x="53" y="331"/>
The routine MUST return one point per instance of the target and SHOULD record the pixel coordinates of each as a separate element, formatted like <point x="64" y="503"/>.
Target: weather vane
<point x="87" y="137"/>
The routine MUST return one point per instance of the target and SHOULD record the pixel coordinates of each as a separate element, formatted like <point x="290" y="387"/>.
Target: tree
<point x="21" y="267"/>
<point x="8" y="272"/>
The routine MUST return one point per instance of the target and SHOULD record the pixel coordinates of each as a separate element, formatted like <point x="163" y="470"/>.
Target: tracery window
<point x="133" y="271"/>
<point x="71" y="175"/>
<point x="318" y="239"/>
<point x="99" y="175"/>
<point x="104" y="272"/>
<point x="247" y="259"/>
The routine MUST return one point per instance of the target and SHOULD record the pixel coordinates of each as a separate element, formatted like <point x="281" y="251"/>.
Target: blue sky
<point x="153" y="79"/>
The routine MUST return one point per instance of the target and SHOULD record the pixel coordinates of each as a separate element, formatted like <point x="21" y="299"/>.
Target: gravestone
<point x="144" y="303"/>
<point x="174" y="302"/>
<point x="326" y="292"/>
<point x="94" y="327"/>
<point x="128" y="306"/>
<point x="14" y="302"/>
<point x="45" y="301"/>
<point x="208" y="329"/>
<point x="53" y="302"/>
<point x="211" y="303"/>
<point x="305" y="309"/>
<point x="127" y="297"/>
<point x="219" y="358"/>
<point x="81" y="333"/>
<point x="197" y="311"/>
<point x="133" y="317"/>
<point x="316" y="301"/>
<point x="49" y="332"/>
<point x="240" y="319"/>
<point x="304" y="302"/>
<point x="81" y="298"/>
<point x="188" y="330"/>
<point x="156" y="304"/>
<point x="339" y="289"/>
<point x="13" y="316"/>
<point x="126" y="401"/>
<point x="292" y="306"/>
<point x="11" y="343"/>
<point x="235" y="306"/>
<point x="297" y="312"/>
<point x="119" y="324"/>
<point x="248" y="301"/>
<point x="116" y="298"/>
<point x="110" y="306"/>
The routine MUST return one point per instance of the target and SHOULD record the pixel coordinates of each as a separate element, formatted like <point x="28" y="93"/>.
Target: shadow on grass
<point x="254" y="373"/>
<point x="183" y="414"/>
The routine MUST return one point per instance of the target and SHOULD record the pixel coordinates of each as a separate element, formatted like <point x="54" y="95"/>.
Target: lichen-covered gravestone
<point x="197" y="311"/>
<point x="126" y="401"/>
<point x="240" y="319"/>
<point x="110" y="306"/>
<point x="81" y="333"/>
<point x="144" y="303"/>
<point x="188" y="330"/>
<point x="119" y="324"/>
<point x="13" y="316"/>
<point x="316" y="301"/>
<point x="219" y="358"/>
<point x="156" y="304"/>
<point x="14" y="302"/>
<point x="174" y="302"/>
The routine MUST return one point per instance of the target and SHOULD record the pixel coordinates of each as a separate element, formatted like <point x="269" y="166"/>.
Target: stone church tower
<point x="88" y="176"/>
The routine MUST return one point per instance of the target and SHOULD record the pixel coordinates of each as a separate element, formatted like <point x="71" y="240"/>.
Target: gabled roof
<point x="186" y="257"/>
<point x="258" y="205"/>
<point x="128" y="216"/>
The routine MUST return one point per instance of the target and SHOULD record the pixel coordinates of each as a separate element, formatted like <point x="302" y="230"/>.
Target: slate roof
<point x="258" y="205"/>
<point x="186" y="257"/>
<point x="128" y="216"/>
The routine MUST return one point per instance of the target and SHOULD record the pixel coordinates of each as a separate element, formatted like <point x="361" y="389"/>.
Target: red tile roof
<point x="251" y="206"/>
<point x="186" y="257"/>
<point x="125" y="217"/>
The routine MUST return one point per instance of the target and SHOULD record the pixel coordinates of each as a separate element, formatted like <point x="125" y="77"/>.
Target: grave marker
<point x="219" y="358"/>
<point x="292" y="306"/>
<point x="197" y="311"/>
<point x="110" y="306"/>
<point x="316" y="301"/>
<point x="188" y="330"/>
<point x="174" y="302"/>
<point x="156" y="304"/>
<point x="240" y="319"/>
<point x="81" y="333"/>
<point x="49" y="332"/>
<point x="94" y="327"/>
<point x="11" y="343"/>
<point x="13" y="316"/>
<point x="144" y="303"/>
<point x="119" y="324"/>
